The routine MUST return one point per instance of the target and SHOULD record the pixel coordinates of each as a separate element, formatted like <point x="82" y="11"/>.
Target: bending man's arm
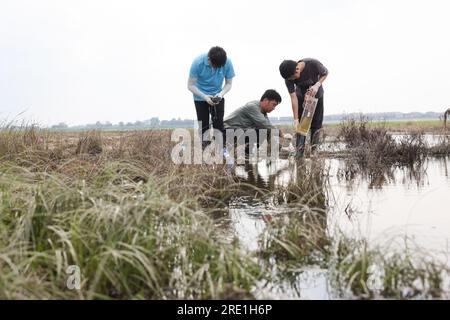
<point x="322" y="78"/>
<point x="315" y="88"/>
<point x="226" y="87"/>
<point x="193" y="88"/>
<point x="259" y="120"/>
<point x="294" y="102"/>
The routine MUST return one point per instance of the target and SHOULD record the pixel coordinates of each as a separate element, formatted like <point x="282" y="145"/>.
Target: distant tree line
<point x="153" y="123"/>
<point x="156" y="123"/>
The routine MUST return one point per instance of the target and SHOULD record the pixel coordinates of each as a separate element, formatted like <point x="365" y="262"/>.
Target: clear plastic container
<point x="309" y="107"/>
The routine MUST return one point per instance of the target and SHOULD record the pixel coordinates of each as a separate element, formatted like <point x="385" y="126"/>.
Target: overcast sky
<point x="81" y="61"/>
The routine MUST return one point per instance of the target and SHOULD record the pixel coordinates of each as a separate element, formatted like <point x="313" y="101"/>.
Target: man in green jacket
<point x="253" y="115"/>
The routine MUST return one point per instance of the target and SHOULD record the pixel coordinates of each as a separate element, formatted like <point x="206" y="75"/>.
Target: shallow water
<point x="308" y="284"/>
<point x="430" y="140"/>
<point x="407" y="203"/>
<point x="404" y="202"/>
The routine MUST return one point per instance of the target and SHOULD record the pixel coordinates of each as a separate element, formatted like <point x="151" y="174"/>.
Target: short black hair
<point x="287" y="68"/>
<point x="271" y="95"/>
<point x="217" y="56"/>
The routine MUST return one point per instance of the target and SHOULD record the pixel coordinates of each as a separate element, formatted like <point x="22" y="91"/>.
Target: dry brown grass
<point x="374" y="146"/>
<point x="114" y="204"/>
<point x="85" y="155"/>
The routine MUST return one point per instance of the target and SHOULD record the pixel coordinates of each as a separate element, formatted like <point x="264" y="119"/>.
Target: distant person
<point x="446" y="114"/>
<point x="253" y="115"/>
<point x="300" y="77"/>
<point x="206" y="77"/>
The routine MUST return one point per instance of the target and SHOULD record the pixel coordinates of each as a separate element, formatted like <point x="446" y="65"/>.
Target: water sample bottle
<point x="309" y="107"/>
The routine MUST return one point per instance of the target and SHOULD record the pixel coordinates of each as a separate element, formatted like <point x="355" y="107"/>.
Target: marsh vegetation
<point x="140" y="227"/>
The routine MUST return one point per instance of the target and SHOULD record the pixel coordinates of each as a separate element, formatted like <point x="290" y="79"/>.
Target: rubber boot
<point x="315" y="141"/>
<point x="205" y="144"/>
<point x="300" y="145"/>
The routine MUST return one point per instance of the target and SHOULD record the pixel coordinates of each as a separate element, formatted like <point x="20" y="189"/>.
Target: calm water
<point x="402" y="203"/>
<point x="407" y="203"/>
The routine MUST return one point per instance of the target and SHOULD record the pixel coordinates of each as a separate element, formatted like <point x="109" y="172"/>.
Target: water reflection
<point x="410" y="203"/>
<point x="353" y="174"/>
<point x="280" y="197"/>
<point x="394" y="204"/>
<point x="308" y="283"/>
<point x="265" y="174"/>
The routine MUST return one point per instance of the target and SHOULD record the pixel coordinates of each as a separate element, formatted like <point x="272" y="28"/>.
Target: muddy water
<point x="404" y="202"/>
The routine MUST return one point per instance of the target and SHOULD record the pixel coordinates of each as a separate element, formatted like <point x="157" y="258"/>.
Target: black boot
<point x="315" y="141"/>
<point x="205" y="144"/>
<point x="300" y="145"/>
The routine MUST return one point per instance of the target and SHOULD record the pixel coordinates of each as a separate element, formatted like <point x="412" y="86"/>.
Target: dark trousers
<point x="260" y="137"/>
<point x="204" y="110"/>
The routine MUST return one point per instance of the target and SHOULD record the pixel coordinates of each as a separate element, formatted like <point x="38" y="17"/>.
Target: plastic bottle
<point x="309" y="107"/>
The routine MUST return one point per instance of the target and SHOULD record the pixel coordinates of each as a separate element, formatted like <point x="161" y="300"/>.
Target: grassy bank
<point x="138" y="226"/>
<point x="134" y="224"/>
<point x="404" y="126"/>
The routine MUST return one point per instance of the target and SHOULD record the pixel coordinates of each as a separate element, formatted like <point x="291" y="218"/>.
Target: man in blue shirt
<point x="206" y="77"/>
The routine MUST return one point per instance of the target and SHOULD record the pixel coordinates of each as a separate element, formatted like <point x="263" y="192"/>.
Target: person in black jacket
<point x="306" y="75"/>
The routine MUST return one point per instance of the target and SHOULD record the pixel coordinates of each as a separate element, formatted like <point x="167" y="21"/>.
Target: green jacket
<point x="248" y="116"/>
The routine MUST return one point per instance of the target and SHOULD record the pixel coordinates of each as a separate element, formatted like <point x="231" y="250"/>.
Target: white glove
<point x="295" y="124"/>
<point x="208" y="99"/>
<point x="314" y="89"/>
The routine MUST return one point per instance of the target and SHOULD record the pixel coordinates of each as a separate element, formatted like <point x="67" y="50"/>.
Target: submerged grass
<point x="382" y="272"/>
<point x="304" y="236"/>
<point x="354" y="269"/>
<point x="299" y="235"/>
